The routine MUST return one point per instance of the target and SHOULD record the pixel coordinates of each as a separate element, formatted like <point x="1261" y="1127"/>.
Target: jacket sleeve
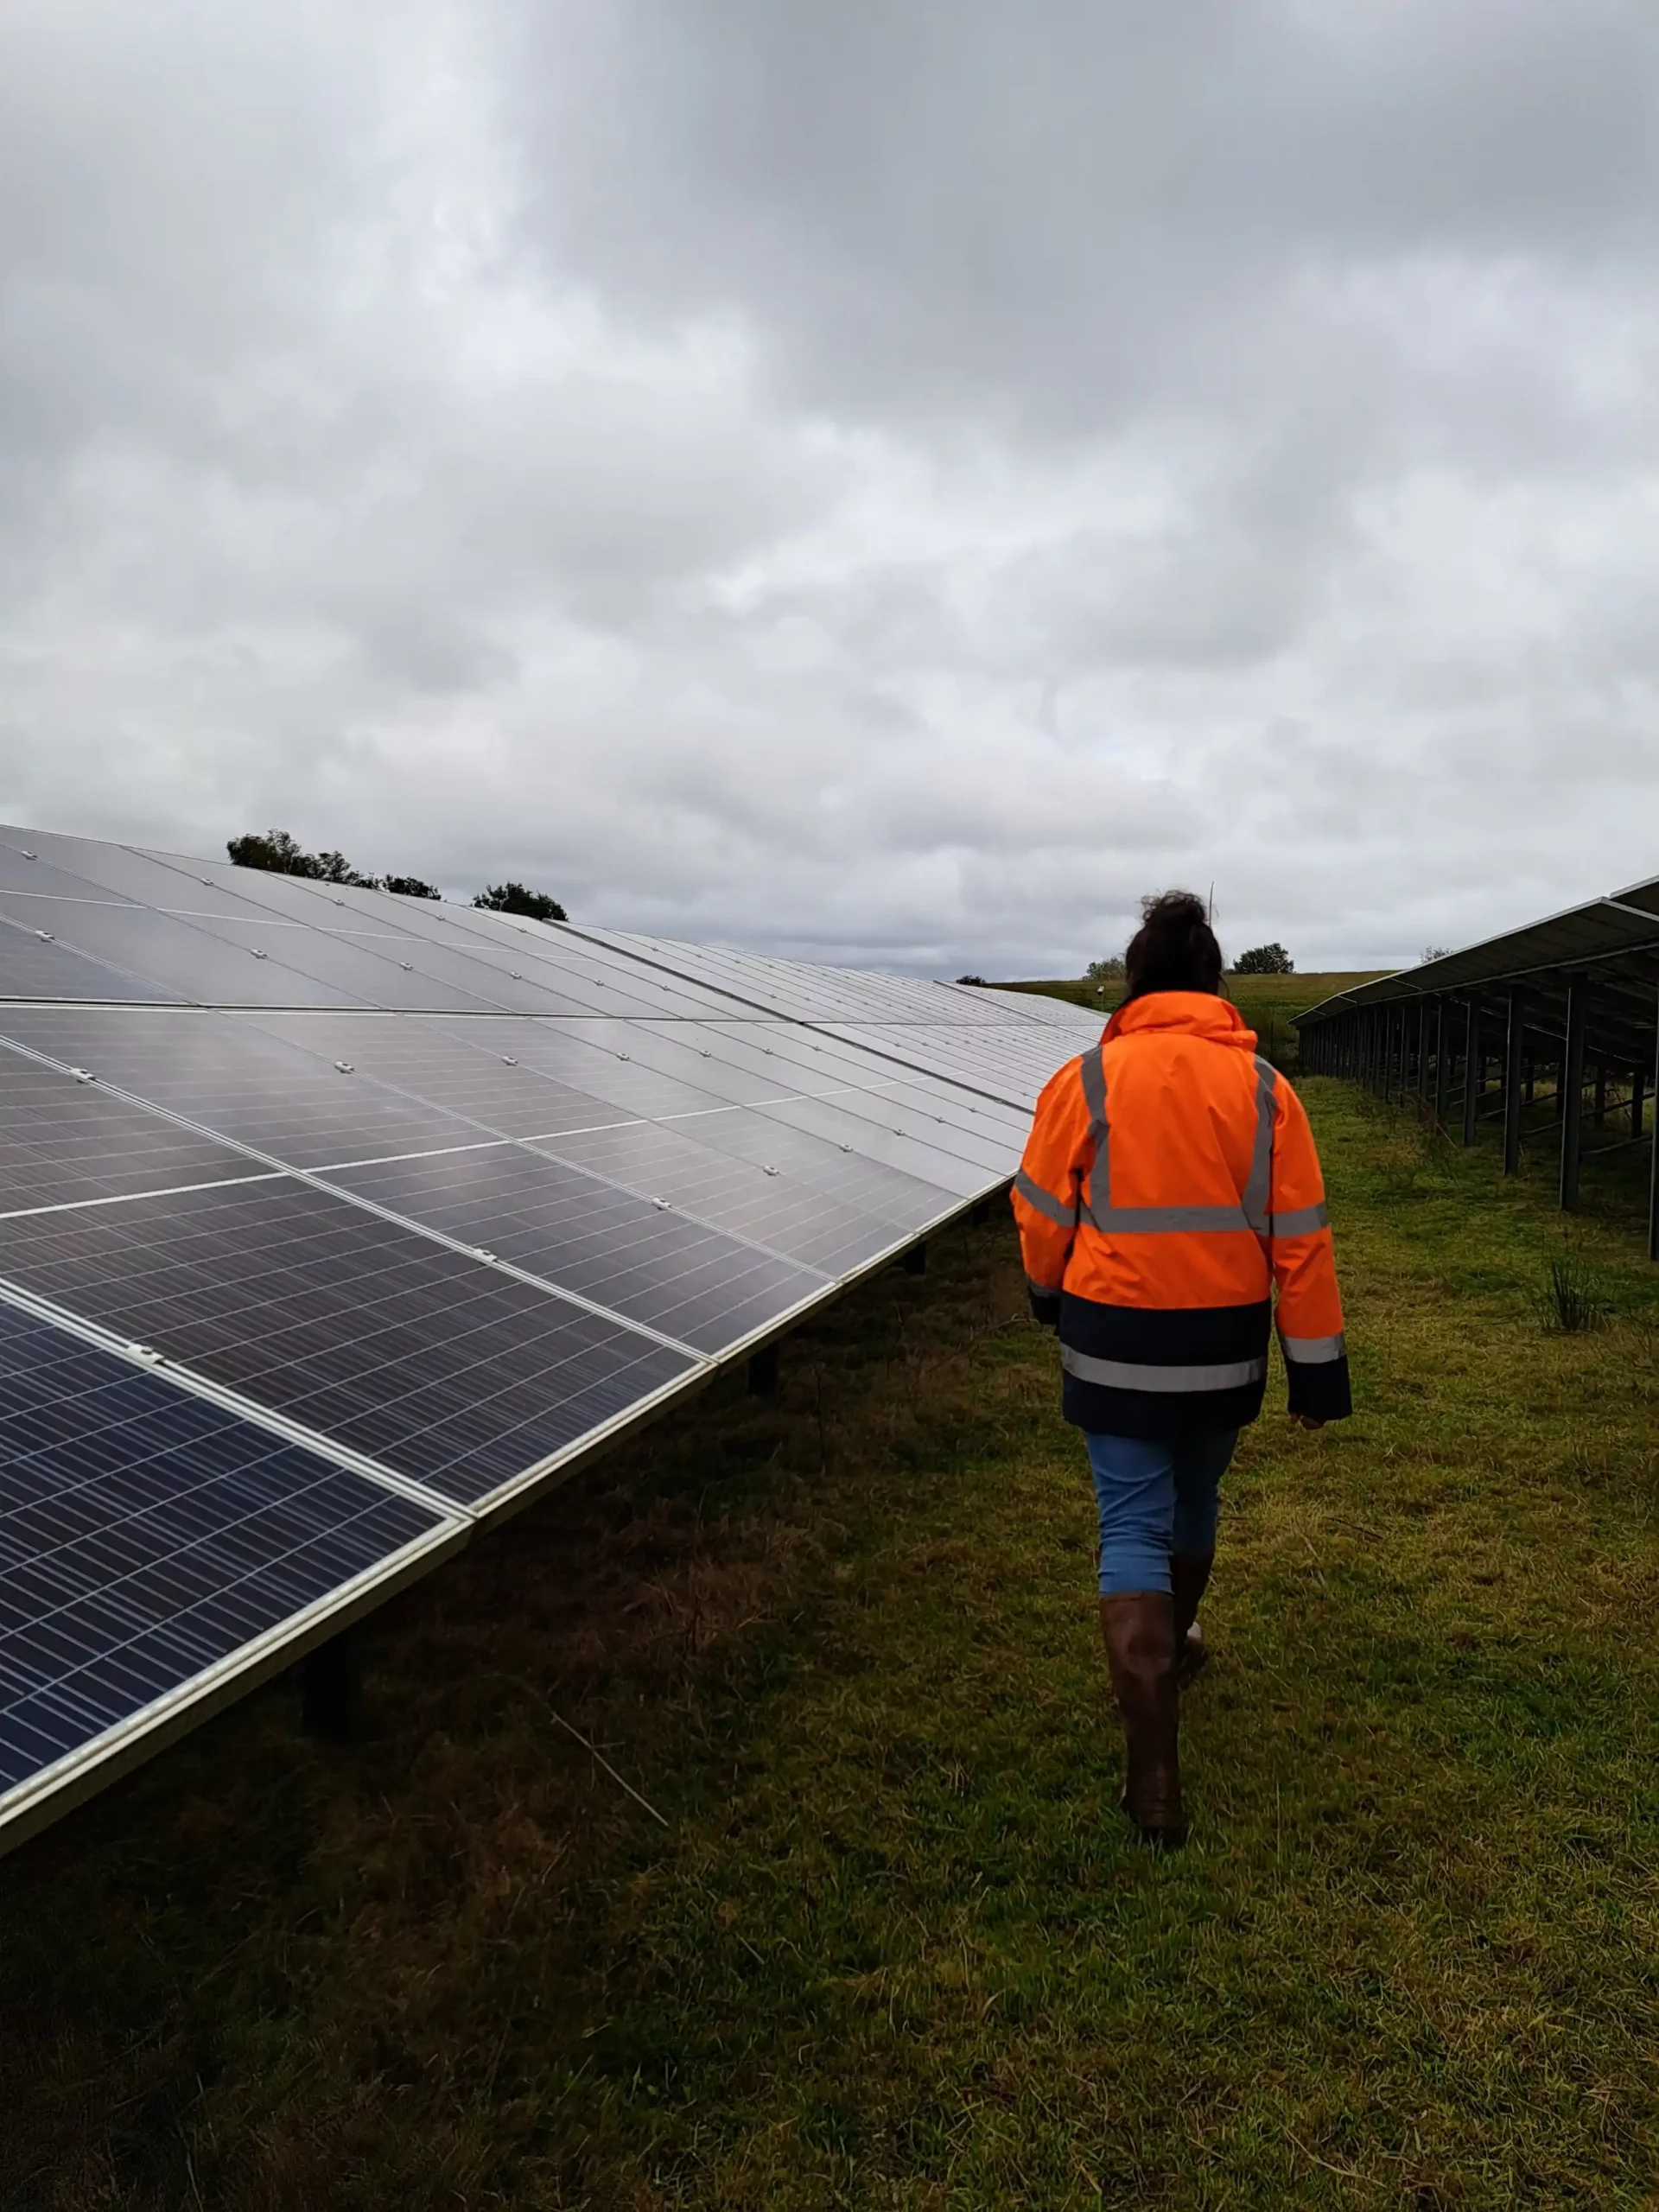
<point x="1305" y="1269"/>
<point x="1045" y="1191"/>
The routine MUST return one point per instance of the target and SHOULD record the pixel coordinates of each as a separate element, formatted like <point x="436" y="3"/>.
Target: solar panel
<point x="170" y="958"/>
<point x="149" y="1540"/>
<point x="441" y="1366"/>
<point x="499" y="1092"/>
<point x="34" y="964"/>
<point x="775" y="1211"/>
<point x="302" y="1110"/>
<point x="650" y="1263"/>
<point x="64" y="1141"/>
<point x="375" y="1200"/>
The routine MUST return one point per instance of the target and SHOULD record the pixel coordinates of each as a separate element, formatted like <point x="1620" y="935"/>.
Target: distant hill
<point x="1266" y="1002"/>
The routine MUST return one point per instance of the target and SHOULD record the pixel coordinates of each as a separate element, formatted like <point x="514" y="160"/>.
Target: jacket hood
<point x="1189" y="1014"/>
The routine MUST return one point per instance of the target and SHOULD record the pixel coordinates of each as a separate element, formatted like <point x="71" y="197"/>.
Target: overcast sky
<point x="888" y="480"/>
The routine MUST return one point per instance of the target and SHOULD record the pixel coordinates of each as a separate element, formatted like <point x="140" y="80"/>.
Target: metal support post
<point x="331" y="1688"/>
<point x="1442" y="1063"/>
<point x="1653" y="1171"/>
<point x="1572" y="1094"/>
<point x="1474" y="1070"/>
<point x="763" y="1372"/>
<point x="1514" y="1044"/>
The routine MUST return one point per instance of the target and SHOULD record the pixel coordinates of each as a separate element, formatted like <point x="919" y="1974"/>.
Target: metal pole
<point x="1442" y="1063"/>
<point x="1652" y="1166"/>
<point x="1638" y="1078"/>
<point x="1514" y="1044"/>
<point x="1474" y="1070"/>
<point x="1572" y="1095"/>
<point x="1422" y="1051"/>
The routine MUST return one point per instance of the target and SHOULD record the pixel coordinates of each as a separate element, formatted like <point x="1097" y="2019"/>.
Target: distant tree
<point x="281" y="854"/>
<point x="513" y="899"/>
<point x="1104" y="971"/>
<point x="334" y="867"/>
<point x="1264" y="960"/>
<point x="276" y="852"/>
<point x="1437" y="952"/>
<point x="980" y="980"/>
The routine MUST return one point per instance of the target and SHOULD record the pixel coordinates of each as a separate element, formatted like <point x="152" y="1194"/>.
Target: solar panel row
<point x="330" y="1220"/>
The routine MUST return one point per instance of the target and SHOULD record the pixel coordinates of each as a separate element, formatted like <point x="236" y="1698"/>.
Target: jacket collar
<point x="1187" y="1013"/>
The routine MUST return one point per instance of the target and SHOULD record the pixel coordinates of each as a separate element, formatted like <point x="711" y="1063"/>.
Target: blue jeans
<point x="1156" y="1496"/>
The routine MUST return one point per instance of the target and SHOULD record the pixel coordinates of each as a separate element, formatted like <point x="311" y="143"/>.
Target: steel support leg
<point x="1572" y="1094"/>
<point x="1514" y="1044"/>
<point x="331" y="1688"/>
<point x="1474" y="1072"/>
<point x="1442" y="1062"/>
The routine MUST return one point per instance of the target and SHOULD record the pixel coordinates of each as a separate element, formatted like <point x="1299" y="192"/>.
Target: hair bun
<point x="1174" y="909"/>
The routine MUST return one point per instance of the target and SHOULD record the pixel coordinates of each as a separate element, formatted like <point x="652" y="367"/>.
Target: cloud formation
<point x="889" y="484"/>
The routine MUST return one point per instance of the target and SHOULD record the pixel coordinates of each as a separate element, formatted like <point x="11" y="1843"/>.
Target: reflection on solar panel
<point x="332" y="1223"/>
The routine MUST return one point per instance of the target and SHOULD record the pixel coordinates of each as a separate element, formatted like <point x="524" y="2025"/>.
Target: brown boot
<point x="1138" y="1628"/>
<point x="1188" y="1575"/>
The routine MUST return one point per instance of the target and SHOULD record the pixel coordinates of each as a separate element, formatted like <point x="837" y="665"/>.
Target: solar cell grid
<point x="733" y="1194"/>
<point x="117" y="872"/>
<point x="433" y="961"/>
<point x="583" y="1235"/>
<point x="607" y="981"/>
<point x="863" y="1079"/>
<point x="25" y="871"/>
<point x="495" y="1090"/>
<point x="63" y="1142"/>
<point x="437" y="1365"/>
<point x="35" y="965"/>
<point x="146" y="1537"/>
<point x="173" y="958"/>
<point x="593" y="1060"/>
<point x="251" y="1087"/>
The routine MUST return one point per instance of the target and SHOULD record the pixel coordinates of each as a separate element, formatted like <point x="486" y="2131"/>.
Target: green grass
<point x="892" y="1947"/>
<point x="1268" y="1003"/>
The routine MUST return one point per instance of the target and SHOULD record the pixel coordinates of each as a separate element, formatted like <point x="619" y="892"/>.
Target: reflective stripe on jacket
<point x="1169" y="1183"/>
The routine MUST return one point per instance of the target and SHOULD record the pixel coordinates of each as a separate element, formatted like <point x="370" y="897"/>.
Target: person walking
<point x="1170" y="1184"/>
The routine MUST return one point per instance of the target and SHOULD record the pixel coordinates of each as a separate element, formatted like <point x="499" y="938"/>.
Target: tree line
<point x="279" y="854"/>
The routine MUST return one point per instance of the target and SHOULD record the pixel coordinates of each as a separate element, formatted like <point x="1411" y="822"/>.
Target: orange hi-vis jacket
<point x="1169" y="1183"/>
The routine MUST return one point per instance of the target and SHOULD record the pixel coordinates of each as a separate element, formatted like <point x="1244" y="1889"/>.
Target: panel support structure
<point x="331" y="1689"/>
<point x="1474" y="1070"/>
<point x="1573" y="1094"/>
<point x="1512" y="1058"/>
<point x="1653" y="1164"/>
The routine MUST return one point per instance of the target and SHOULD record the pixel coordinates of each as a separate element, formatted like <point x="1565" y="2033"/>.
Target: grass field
<point x="1268" y="1003"/>
<point x="887" y="1944"/>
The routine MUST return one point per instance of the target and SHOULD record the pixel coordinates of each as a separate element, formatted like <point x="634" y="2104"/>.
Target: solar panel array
<point x="333" y="1222"/>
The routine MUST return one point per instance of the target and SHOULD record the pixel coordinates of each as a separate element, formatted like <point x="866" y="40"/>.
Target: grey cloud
<point x="887" y="484"/>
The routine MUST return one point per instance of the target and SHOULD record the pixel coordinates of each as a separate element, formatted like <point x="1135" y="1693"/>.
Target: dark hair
<point x="1174" y="949"/>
